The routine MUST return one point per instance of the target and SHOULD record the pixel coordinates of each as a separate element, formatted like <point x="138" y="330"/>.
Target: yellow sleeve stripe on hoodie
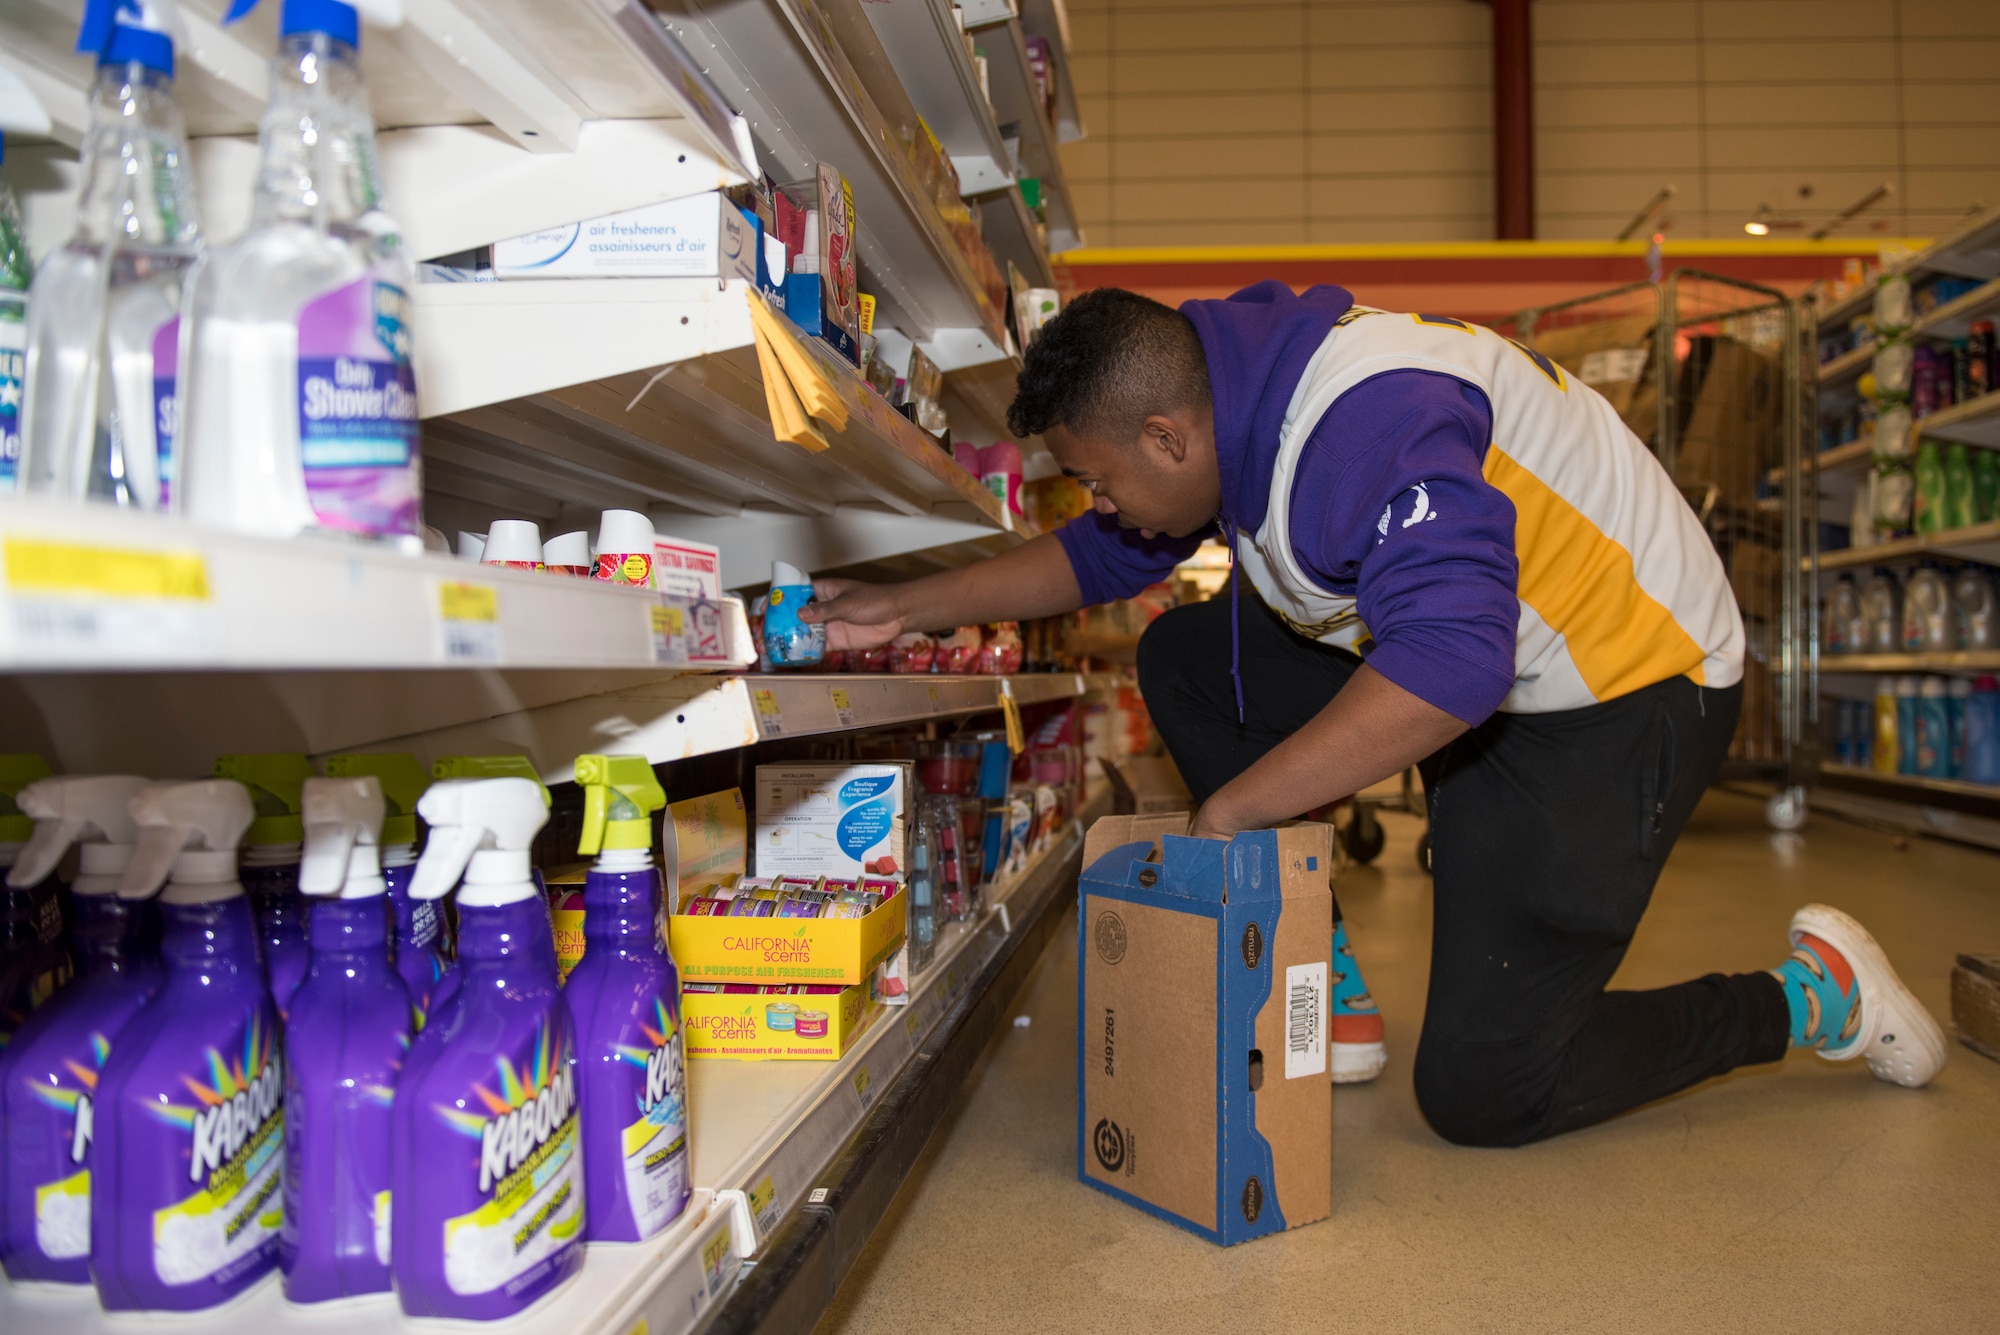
<point x="1582" y="584"/>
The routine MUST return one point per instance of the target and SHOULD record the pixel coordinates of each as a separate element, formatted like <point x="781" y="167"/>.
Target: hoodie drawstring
<point x="1235" y="625"/>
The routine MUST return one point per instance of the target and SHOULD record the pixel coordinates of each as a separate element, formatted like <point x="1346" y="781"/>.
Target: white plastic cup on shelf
<point x="568" y="554"/>
<point x="625" y="548"/>
<point x="471" y="546"/>
<point x="513" y="543"/>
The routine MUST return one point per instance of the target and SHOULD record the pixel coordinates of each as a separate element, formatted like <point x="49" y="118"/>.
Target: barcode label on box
<point x="1305" y="1020"/>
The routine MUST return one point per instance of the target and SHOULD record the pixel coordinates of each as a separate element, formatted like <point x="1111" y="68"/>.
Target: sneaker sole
<point x="1899" y="1037"/>
<point x="1356" y="1063"/>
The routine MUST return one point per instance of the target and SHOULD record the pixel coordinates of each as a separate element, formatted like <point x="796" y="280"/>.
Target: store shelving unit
<point x="1963" y="810"/>
<point x="1017" y="103"/>
<point x="772" y="1144"/>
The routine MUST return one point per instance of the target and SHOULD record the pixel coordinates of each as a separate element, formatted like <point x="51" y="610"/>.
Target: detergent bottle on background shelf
<point x="1907" y="690"/>
<point x="99" y="415"/>
<point x="1958" y="509"/>
<point x="625" y="998"/>
<point x="1972" y="595"/>
<point x="48" y="1072"/>
<point x="1933" y="729"/>
<point x="1882" y="603"/>
<point x="487" y="1184"/>
<point x="1930" y="621"/>
<point x="270" y="871"/>
<point x="1846" y="623"/>
<point x="186" y="1201"/>
<point x="345" y="1041"/>
<point x="1885" y="754"/>
<point x="1982" y="732"/>
<point x="33" y="962"/>
<point x="1930" y="499"/>
<point x="419" y="952"/>
<point x="301" y="404"/>
<point x="1986" y="487"/>
<point x="1959" y="693"/>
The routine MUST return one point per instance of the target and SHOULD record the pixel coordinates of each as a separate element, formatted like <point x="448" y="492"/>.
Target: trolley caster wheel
<point x="1363" y="837"/>
<point x="1786" y="809"/>
<point x="1424" y="852"/>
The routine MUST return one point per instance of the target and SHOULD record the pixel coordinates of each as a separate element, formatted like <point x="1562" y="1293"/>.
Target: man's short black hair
<point x="1108" y="361"/>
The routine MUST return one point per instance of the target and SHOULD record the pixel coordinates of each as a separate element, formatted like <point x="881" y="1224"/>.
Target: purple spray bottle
<point x="345" y="1041"/>
<point x="185" y="1198"/>
<point x="48" y="1074"/>
<point x="33" y="963"/>
<point x="625" y="997"/>
<point x="419" y="952"/>
<point x="487" y="1194"/>
<point x="270" y="869"/>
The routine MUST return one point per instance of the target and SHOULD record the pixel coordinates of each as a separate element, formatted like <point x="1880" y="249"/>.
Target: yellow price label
<point x="639" y="1327"/>
<point x="861" y="1082"/>
<point x="839" y="699"/>
<point x="767" y="701"/>
<point x="669" y="621"/>
<point x="716" y="1252"/>
<point x="38" y="567"/>
<point x="468" y="602"/>
<point x="763" y="1203"/>
<point x="935" y="703"/>
<point x="910" y="1025"/>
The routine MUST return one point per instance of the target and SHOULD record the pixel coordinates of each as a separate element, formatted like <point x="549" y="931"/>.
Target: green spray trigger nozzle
<point x="17" y="771"/>
<point x="277" y="784"/>
<point x="403" y="779"/>
<point x="489" y="767"/>
<point x="620" y="795"/>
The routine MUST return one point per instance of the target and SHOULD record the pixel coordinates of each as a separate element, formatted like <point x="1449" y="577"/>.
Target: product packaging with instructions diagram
<point x="1203" y="995"/>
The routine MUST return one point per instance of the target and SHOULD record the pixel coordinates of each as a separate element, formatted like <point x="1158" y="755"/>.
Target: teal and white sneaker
<point x="1846" y="1000"/>
<point x="1355" y="1048"/>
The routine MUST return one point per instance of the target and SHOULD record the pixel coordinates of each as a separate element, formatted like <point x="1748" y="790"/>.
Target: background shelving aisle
<point x="146" y="643"/>
<point x="1970" y="259"/>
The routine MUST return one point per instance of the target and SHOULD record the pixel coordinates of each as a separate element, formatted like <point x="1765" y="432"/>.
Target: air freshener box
<point x="756" y="1024"/>
<point x="701" y="236"/>
<point x="838" y="952"/>
<point x="1203" y="1094"/>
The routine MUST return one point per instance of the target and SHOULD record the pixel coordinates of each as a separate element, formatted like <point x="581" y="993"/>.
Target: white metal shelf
<point x="1971" y="252"/>
<point x="1847" y="366"/>
<point x="1048" y="19"/>
<point x="1976" y="422"/>
<point x="1957" y="660"/>
<point x="923" y="41"/>
<point x="1016" y="101"/>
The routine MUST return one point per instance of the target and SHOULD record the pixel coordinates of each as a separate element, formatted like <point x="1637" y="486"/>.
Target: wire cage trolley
<point x="1711" y="372"/>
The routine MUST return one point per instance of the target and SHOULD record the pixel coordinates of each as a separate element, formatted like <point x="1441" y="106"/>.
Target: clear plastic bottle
<point x="15" y="274"/>
<point x="301" y="403"/>
<point x="1930" y="618"/>
<point x="1883" y="606"/>
<point x="99" y="403"/>
<point x="1978" y="620"/>
<point x="1846" y="622"/>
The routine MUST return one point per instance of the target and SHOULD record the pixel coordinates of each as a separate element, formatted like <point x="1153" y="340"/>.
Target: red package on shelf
<point x="1000" y="655"/>
<point x="870" y="660"/>
<point x="958" y="651"/>
<point x="912" y="653"/>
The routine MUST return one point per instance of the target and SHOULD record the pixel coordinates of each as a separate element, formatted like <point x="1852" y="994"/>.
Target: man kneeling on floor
<point x="1459" y="558"/>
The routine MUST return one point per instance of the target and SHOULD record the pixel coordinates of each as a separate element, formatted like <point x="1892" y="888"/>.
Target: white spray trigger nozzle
<point x="71" y="810"/>
<point x="343" y="822"/>
<point x="206" y="819"/>
<point x="469" y="816"/>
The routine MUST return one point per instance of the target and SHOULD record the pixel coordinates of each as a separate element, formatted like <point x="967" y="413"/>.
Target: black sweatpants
<point x="1548" y="832"/>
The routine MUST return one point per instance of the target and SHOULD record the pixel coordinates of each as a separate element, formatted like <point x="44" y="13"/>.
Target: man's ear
<point x="1164" y="434"/>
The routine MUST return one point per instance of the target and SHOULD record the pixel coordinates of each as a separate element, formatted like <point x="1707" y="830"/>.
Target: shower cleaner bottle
<point x="48" y="1073"/>
<point x="487" y="1186"/>
<point x="345" y="1040"/>
<point x="625" y="997"/>
<point x="301" y="403"/>
<point x="99" y="401"/>
<point x="33" y="963"/>
<point x="185" y="1199"/>
<point x="419" y="928"/>
<point x="15" y="274"/>
<point x="271" y="863"/>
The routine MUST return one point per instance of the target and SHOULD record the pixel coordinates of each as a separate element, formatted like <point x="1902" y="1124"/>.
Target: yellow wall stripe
<point x="1582" y="584"/>
<point x="1480" y="250"/>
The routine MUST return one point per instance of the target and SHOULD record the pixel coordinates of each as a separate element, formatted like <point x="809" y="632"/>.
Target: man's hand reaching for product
<point x="857" y="616"/>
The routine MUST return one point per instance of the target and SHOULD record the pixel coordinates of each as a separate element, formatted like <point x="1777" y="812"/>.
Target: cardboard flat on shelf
<point x="1205" y="978"/>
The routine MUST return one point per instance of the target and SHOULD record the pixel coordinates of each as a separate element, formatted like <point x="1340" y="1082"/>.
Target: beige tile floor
<point x="1799" y="1196"/>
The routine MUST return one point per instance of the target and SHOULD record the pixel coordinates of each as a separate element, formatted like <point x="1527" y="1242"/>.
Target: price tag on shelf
<point x="1010" y="709"/>
<point x="669" y="625"/>
<point x="718" y="1267"/>
<point x="932" y="691"/>
<point x="74" y="602"/>
<point x="843" y="709"/>
<point x="468" y="622"/>
<point x="864" y="1087"/>
<point x="764" y="1206"/>
<point x="770" y="719"/>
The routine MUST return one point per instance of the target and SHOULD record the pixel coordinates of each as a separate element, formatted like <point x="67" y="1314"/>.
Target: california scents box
<point x="772" y="1024"/>
<point x="1203" y="1094"/>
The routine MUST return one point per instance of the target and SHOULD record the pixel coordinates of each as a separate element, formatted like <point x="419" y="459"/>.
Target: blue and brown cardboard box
<point x="1203" y="1094"/>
